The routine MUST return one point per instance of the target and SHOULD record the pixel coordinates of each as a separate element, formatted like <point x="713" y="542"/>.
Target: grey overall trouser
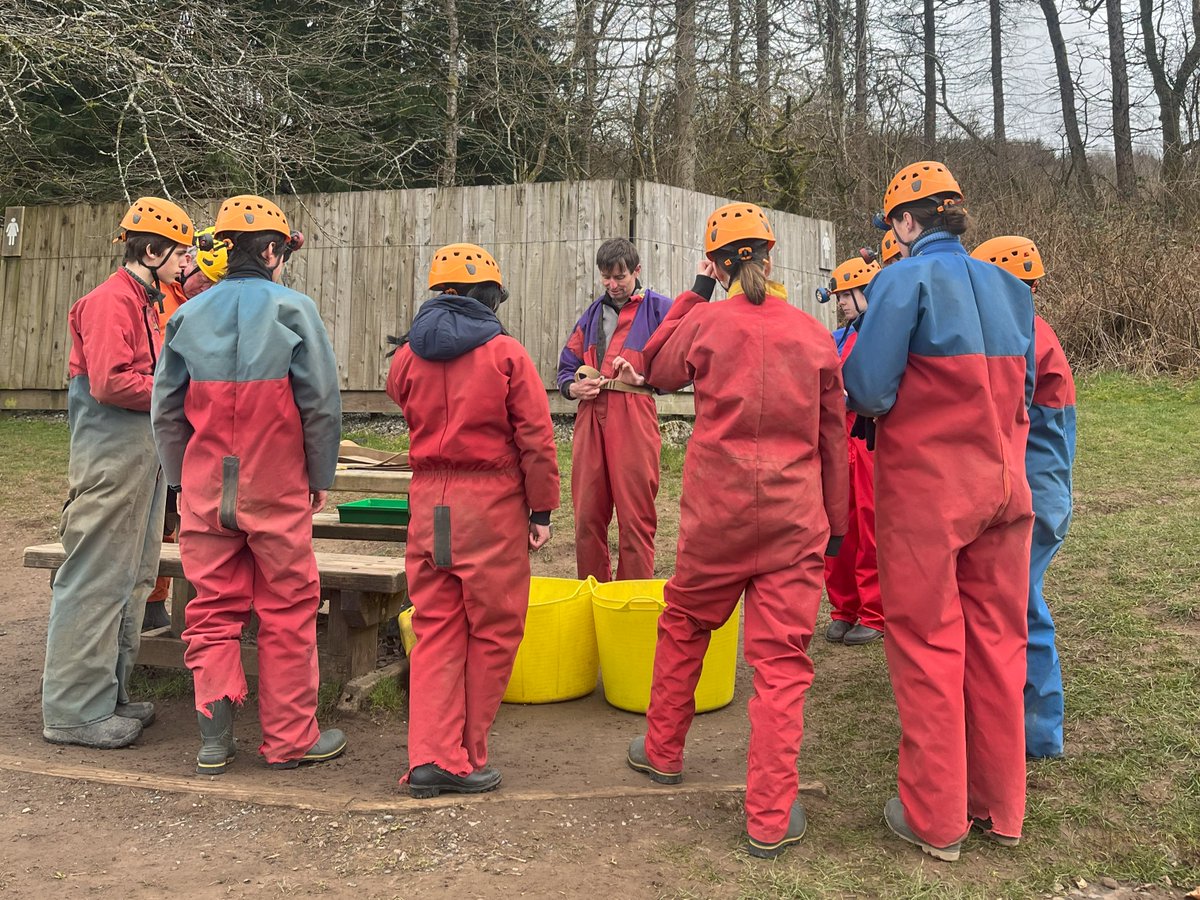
<point x="112" y="531"/>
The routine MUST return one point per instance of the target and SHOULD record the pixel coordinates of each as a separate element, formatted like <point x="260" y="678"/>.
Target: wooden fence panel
<point x="366" y="260"/>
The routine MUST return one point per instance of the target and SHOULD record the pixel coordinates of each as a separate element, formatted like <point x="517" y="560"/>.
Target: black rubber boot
<point x="837" y="631"/>
<point x="639" y="762"/>
<point x="430" y="780"/>
<point x="217" y="746"/>
<point x="797" y="825"/>
<point x="156" y="616"/>
<point x="861" y="634"/>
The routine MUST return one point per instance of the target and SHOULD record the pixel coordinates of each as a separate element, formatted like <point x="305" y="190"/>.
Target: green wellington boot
<point x="217" y="746"/>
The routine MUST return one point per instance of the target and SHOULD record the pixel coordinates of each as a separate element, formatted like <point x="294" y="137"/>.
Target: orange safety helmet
<point x="735" y="222"/>
<point x="463" y="264"/>
<point x="1014" y="254"/>
<point x="247" y="212"/>
<point x="918" y="181"/>
<point x="153" y="215"/>
<point x="855" y="272"/>
<point x="889" y="250"/>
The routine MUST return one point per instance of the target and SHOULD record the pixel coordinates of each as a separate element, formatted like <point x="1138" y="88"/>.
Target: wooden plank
<point x="329" y="526"/>
<point x="60" y="226"/>
<point x="340" y="571"/>
<point x="28" y="295"/>
<point x="380" y="481"/>
<point x="351" y="650"/>
<point x="10" y="278"/>
<point x="166" y="651"/>
<point x="319" y="799"/>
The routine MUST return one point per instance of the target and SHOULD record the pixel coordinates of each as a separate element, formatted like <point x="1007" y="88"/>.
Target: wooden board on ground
<point x="372" y="481"/>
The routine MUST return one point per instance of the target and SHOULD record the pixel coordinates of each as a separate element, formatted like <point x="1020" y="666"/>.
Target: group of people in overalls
<point x="923" y="480"/>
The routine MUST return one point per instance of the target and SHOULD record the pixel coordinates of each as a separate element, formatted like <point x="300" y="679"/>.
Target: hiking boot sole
<point x="950" y="853"/>
<point x="425" y="792"/>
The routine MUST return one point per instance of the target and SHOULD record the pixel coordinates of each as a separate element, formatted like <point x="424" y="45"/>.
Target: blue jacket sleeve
<point x="315" y="386"/>
<point x="1031" y="361"/>
<point x="172" y="430"/>
<point x="873" y="371"/>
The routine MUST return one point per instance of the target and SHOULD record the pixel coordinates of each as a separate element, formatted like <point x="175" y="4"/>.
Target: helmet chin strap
<point x="153" y="292"/>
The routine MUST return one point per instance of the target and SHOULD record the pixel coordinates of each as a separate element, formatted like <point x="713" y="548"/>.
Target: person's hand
<point x="586" y="388"/>
<point x="539" y="536"/>
<point x="318" y="499"/>
<point x="707" y="268"/>
<point x="623" y="371"/>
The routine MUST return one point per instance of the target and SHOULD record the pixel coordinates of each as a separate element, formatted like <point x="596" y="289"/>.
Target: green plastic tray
<point x="375" y="511"/>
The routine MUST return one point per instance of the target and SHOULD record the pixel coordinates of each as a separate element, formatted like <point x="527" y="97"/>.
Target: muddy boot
<point x="217" y="746"/>
<point x="797" y="825"/>
<point x="156" y="616"/>
<point x="331" y="744"/>
<point x="639" y="762"/>
<point x="143" y="712"/>
<point x="861" y="634"/>
<point x="893" y="817"/>
<point x="111" y="734"/>
<point x="837" y="631"/>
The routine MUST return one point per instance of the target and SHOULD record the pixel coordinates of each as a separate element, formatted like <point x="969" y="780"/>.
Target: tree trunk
<point x="1170" y="94"/>
<point x="999" y="132"/>
<point x="930" y="50"/>
<point x="860" y="64"/>
<point x="735" y="41"/>
<point x="450" y="153"/>
<point x="1066" y="90"/>
<point x="585" y="11"/>
<point x="1122" y="136"/>
<point x="685" y="93"/>
<point x="834" y="73"/>
<point x="762" y="40"/>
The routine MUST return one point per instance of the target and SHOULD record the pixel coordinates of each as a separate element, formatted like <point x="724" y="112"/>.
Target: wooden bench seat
<point x="329" y="526"/>
<point x="363" y="591"/>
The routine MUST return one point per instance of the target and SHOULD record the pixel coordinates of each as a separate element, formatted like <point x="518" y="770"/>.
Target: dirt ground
<point x="570" y="820"/>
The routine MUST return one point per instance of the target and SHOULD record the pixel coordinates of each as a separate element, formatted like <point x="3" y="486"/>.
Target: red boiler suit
<point x="945" y="361"/>
<point x="483" y="457"/>
<point x="852" y="577"/>
<point x="764" y="487"/>
<point x="247" y="418"/>
<point x="616" y="444"/>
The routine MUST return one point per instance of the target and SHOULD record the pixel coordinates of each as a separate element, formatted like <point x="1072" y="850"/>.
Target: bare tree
<point x="999" y="131"/>
<point x="1066" y="90"/>
<point x="1122" y="135"/>
<point x="860" y="64"/>
<point x="929" y="34"/>
<point x="449" y="168"/>
<point x="1170" y="88"/>
<point x="762" y="39"/>
<point x="685" y="93"/>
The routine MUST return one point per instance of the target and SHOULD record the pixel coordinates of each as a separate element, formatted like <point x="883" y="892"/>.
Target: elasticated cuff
<point x="540" y="518"/>
<point x="704" y="286"/>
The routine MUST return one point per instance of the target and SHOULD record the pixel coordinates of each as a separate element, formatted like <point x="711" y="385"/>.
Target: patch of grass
<point x="386" y="697"/>
<point x="33" y="458"/>
<point x="328" y="695"/>
<point x="393" y="442"/>
<point x="155" y="683"/>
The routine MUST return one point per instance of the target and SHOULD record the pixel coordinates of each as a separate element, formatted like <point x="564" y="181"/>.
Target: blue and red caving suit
<point x="852" y="577"/>
<point x="764" y="487"/>
<point x="484" y="466"/>
<point x="945" y="362"/>
<point x="112" y="524"/>
<point x="1048" y="461"/>
<point x="247" y="417"/>
<point x="615" y="449"/>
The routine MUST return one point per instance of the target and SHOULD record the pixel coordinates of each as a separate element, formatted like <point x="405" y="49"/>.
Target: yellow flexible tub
<point x="557" y="659"/>
<point x="626" y="615"/>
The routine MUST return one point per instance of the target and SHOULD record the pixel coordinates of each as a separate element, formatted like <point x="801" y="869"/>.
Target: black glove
<point x="864" y="429"/>
<point x="834" y="545"/>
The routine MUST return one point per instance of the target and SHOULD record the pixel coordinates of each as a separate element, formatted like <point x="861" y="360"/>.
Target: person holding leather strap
<point x="113" y="519"/>
<point x="615" y="451"/>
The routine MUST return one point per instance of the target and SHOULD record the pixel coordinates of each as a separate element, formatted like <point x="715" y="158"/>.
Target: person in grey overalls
<point x="112" y="522"/>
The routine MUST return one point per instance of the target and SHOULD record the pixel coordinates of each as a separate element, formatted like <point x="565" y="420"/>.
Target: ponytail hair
<point x="745" y="262"/>
<point x="752" y="276"/>
<point x="938" y="213"/>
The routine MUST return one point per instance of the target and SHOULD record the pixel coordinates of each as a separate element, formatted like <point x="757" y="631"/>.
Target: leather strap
<point x="610" y="384"/>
